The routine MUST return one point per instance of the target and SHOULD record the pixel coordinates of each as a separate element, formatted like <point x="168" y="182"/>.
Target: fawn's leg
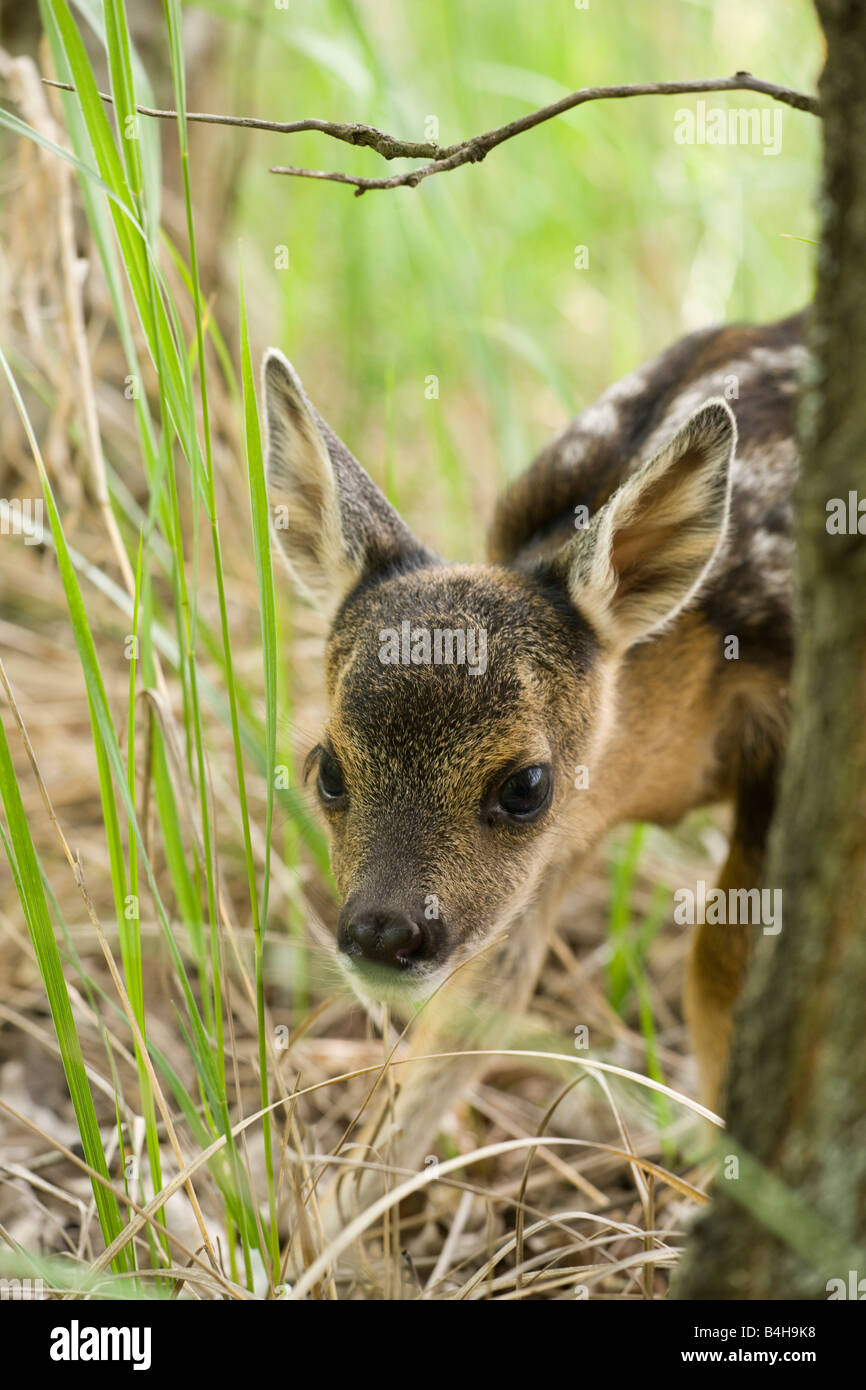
<point x="720" y="954"/>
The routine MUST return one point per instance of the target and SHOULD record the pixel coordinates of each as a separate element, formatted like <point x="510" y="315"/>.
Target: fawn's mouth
<point x="405" y="984"/>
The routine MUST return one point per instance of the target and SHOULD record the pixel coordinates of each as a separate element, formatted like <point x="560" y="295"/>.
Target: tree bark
<point x="795" y="1216"/>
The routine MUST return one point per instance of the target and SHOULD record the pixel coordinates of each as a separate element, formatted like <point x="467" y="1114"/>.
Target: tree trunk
<point x="795" y="1216"/>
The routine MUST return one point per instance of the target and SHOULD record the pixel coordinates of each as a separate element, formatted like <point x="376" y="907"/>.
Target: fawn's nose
<point x="382" y="936"/>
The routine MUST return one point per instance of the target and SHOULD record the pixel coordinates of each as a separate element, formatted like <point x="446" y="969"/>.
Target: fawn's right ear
<point x="333" y="525"/>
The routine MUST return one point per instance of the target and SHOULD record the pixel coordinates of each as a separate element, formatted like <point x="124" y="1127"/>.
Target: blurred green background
<point x="471" y="276"/>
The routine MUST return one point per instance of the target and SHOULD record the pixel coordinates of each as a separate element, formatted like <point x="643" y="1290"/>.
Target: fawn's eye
<point x="525" y="793"/>
<point x="330" y="778"/>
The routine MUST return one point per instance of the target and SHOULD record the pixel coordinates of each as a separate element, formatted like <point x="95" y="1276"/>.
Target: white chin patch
<point x="388" y="986"/>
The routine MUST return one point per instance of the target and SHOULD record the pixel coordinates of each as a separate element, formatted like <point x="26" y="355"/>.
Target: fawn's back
<point x="757" y="370"/>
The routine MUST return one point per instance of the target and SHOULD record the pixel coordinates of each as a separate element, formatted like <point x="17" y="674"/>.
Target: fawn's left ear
<point x="647" y="550"/>
<point x="333" y="525"/>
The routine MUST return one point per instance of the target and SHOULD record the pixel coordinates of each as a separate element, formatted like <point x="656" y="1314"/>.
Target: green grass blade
<point x="28" y="879"/>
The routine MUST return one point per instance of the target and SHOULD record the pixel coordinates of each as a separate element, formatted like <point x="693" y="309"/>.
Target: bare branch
<point x="351" y="134"/>
<point x="471" y="151"/>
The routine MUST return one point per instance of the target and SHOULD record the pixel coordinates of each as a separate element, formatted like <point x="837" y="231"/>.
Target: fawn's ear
<point x="333" y="525"/>
<point x="646" y="551"/>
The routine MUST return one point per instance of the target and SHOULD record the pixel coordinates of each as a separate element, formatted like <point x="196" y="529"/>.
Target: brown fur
<point x="605" y="651"/>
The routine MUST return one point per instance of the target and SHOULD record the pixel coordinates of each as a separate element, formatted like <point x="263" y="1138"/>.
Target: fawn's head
<point x="462" y="697"/>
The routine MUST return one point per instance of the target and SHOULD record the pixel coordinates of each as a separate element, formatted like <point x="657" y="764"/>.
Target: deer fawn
<point x="464" y="699"/>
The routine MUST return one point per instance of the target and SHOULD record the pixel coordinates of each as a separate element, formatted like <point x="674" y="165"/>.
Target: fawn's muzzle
<point x="383" y="936"/>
